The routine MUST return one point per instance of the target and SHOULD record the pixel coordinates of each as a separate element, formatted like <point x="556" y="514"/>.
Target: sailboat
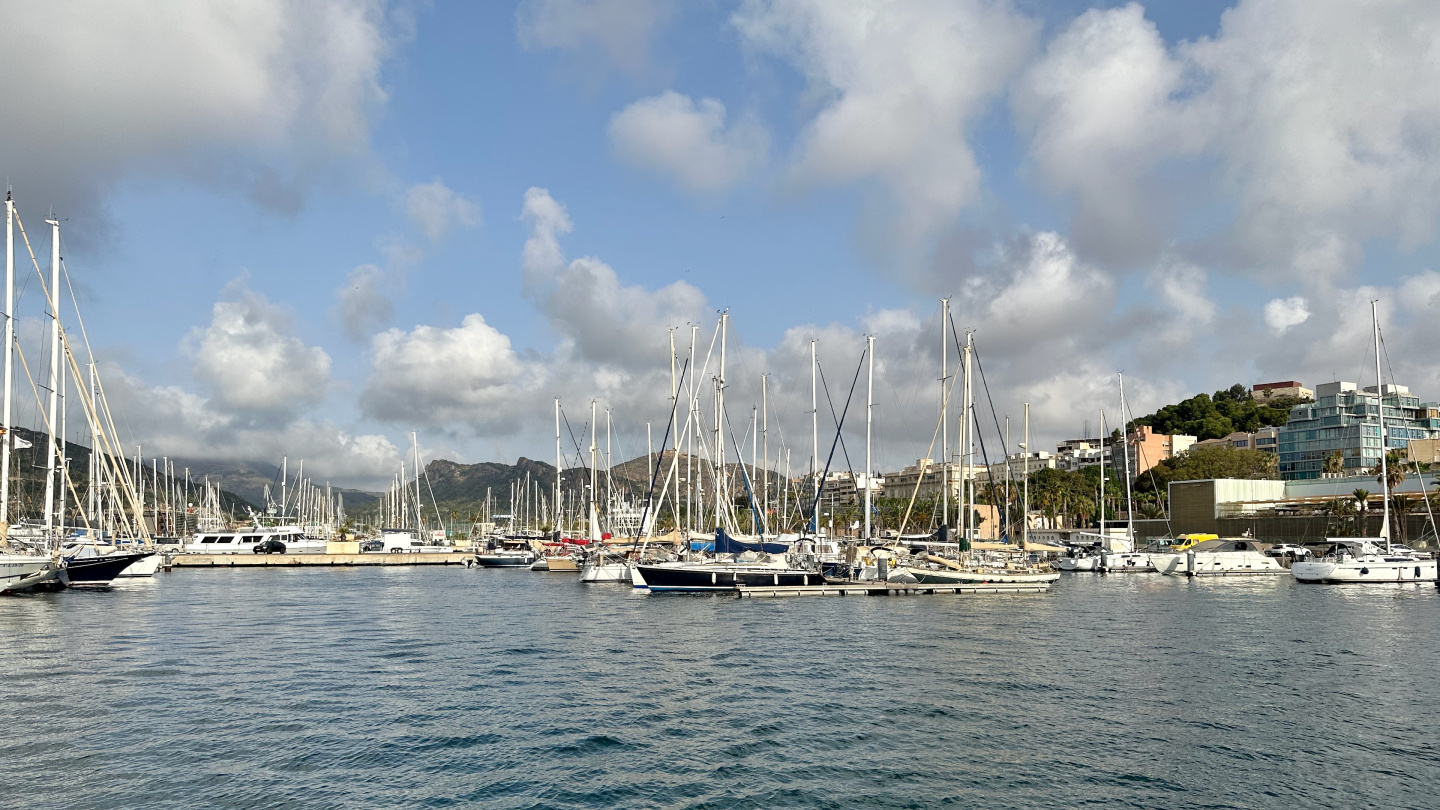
<point x="1370" y="559"/>
<point x="1126" y="559"/>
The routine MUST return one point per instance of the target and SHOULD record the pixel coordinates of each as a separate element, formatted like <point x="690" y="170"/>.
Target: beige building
<point x="1285" y="388"/>
<point x="1266" y="440"/>
<point x="1146" y="448"/>
<point x="1425" y="451"/>
<point x="845" y="489"/>
<point x="902" y="484"/>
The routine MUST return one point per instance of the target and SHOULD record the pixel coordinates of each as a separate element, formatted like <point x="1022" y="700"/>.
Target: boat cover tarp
<point x="725" y="544"/>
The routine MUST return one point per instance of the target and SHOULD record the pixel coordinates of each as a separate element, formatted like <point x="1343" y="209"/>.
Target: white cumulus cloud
<point x="673" y="135"/>
<point x="1281" y="314"/>
<point x="435" y="209"/>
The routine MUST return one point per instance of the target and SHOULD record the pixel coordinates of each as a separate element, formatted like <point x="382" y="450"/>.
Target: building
<point x="1286" y="388"/>
<point x="1346" y="420"/>
<point x="1076" y="454"/>
<point x="927" y="471"/>
<point x="1017" y="462"/>
<point x="1266" y="440"/>
<point x="1424" y="451"/>
<point x="847" y="489"/>
<point x="1146" y="448"/>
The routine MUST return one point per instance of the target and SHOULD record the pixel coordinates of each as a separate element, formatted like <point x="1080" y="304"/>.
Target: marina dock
<point x="332" y="560"/>
<point x="884" y="589"/>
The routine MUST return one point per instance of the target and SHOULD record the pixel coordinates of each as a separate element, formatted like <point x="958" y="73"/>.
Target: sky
<point x="308" y="229"/>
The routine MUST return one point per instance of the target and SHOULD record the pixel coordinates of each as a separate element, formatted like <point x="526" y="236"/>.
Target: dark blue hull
<point x="701" y="578"/>
<point x="96" y="571"/>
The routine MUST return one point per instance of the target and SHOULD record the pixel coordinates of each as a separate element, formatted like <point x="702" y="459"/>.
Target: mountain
<point x="248" y="479"/>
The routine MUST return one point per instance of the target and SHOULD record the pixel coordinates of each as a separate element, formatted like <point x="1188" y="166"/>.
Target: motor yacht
<point x="1219" y="557"/>
<point x="243" y="541"/>
<point x="1366" y="559"/>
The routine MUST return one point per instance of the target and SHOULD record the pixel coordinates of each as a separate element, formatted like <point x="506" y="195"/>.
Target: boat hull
<point x="144" y="567"/>
<point x="21" y="571"/>
<point x="1381" y="570"/>
<point x="98" y="571"/>
<point x="505" y="560"/>
<point x="714" y="578"/>
<point x="1217" y="564"/>
<point x="1128" y="562"/>
<point x="1076" y="563"/>
<point x="605" y="572"/>
<point x="926" y="576"/>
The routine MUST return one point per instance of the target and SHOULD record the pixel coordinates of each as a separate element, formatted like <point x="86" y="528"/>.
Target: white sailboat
<point x="1370" y="559"/>
<point x="1127" y="560"/>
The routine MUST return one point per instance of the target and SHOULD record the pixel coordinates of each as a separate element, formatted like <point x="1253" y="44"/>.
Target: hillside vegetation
<point x="1213" y="416"/>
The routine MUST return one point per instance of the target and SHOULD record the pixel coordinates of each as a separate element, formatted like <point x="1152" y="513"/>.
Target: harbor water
<point x="410" y="687"/>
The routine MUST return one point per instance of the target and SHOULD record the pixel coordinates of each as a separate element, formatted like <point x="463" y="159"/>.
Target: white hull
<point x="145" y="567"/>
<point x="1216" y="563"/>
<point x="1077" y="563"/>
<point x="22" y="570"/>
<point x="1366" y="569"/>
<point x="605" y="572"/>
<point x="244" y="541"/>
<point x="1128" y="562"/>
<point x="947" y="576"/>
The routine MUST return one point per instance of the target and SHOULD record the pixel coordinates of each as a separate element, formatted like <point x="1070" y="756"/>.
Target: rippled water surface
<point x="442" y="687"/>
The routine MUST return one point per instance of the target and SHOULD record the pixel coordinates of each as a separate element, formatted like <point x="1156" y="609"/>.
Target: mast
<point x="419" y="513"/>
<point x="690" y="435"/>
<point x="967" y="446"/>
<point x="945" y="417"/>
<point x="1025" y="524"/>
<point x="765" y="442"/>
<point x="1380" y="410"/>
<point x="721" y="479"/>
<point x="754" y="447"/>
<point x="869" y="419"/>
<point x="64" y="459"/>
<point x="53" y="378"/>
<point x="814" y="448"/>
<point x="1125" y="438"/>
<point x="92" y="493"/>
<point x="9" y="360"/>
<point x="594" y="478"/>
<point x="1102" y="472"/>
<point x="559" y="465"/>
<point x="674" y="428"/>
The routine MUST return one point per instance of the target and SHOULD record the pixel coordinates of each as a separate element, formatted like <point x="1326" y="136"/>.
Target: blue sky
<point x="302" y="229"/>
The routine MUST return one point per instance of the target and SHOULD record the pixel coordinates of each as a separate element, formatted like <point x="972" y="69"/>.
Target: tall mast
<point x="64" y="460"/>
<point x="1102" y="472"/>
<point x="1125" y="438"/>
<point x="722" y="488"/>
<point x="9" y="359"/>
<point x="967" y="448"/>
<point x="674" y="428"/>
<point x="594" y="478"/>
<point x="945" y="417"/>
<point x="690" y="435"/>
<point x="814" y="447"/>
<point x="1025" y="524"/>
<point x="754" y="447"/>
<point x="559" y="465"/>
<point x="92" y="493"/>
<point x="419" y="513"/>
<point x="54" y="381"/>
<point x="869" y="419"/>
<point x="765" y="442"/>
<point x="1380" y="403"/>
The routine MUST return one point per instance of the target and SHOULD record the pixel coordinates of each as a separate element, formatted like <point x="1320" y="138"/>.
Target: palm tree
<point x="1400" y="505"/>
<point x="1335" y="464"/>
<point x="1340" y="510"/>
<point x="1394" y="470"/>
<point x="1362" y="505"/>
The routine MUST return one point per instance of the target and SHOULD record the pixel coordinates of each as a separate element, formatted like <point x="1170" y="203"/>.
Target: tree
<point x="1394" y="471"/>
<point x="1212" y="416"/>
<point x="1335" y="463"/>
<point x="1202" y="463"/>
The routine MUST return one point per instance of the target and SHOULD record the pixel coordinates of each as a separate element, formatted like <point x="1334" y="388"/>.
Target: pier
<point x="329" y="560"/>
<point x="885" y="589"/>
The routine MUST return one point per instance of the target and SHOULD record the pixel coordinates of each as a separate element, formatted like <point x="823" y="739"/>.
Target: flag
<point x="19" y="443"/>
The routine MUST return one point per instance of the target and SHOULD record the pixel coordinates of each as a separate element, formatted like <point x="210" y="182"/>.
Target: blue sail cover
<point x="725" y="544"/>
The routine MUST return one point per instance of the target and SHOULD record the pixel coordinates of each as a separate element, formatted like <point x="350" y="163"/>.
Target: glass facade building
<point x="1345" y="418"/>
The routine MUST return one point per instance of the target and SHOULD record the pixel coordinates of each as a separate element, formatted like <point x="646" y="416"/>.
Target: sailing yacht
<point x="1218" y="557"/>
<point x="23" y="571"/>
<point x="1370" y="559"/>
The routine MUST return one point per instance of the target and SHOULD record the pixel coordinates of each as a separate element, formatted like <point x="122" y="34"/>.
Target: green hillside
<point x="1213" y="416"/>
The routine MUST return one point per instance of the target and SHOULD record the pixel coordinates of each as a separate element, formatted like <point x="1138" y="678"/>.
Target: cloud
<point x="439" y="377"/>
<point x="435" y="209"/>
<point x="1283" y="313"/>
<point x="361" y="303"/>
<point x="672" y="135"/>
<point x="252" y="362"/>
<point x="617" y="30"/>
<point x="262" y="97"/>
<point x="168" y="420"/>
<point x="901" y="86"/>
<point x="1305" y="127"/>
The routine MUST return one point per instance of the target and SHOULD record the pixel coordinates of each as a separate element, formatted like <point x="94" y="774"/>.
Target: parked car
<point x="271" y="546"/>
<point x="1288" y="550"/>
<point x="372" y="545"/>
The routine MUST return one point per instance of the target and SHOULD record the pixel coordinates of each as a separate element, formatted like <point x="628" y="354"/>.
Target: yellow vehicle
<point x="1185" y="542"/>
